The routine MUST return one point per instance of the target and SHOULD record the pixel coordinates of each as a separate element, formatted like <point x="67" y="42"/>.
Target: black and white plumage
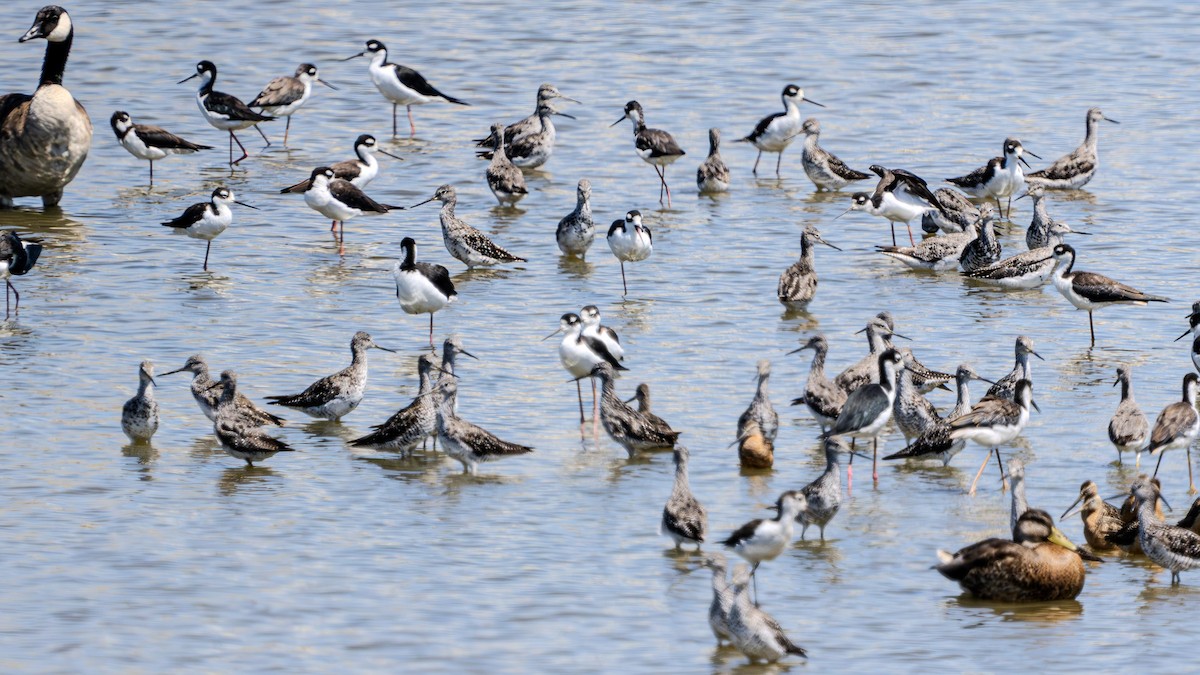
<point x="1177" y="426"/>
<point x="590" y="316"/>
<point x="924" y="378"/>
<point x="413" y="424"/>
<point x="868" y="409"/>
<point x="760" y="412"/>
<point x="44" y="138"/>
<point x="365" y="167"/>
<point x="823" y="168"/>
<point x="1001" y="177"/>
<point x="899" y="196"/>
<point x="683" y="517"/>
<point x="504" y="179"/>
<point x="421" y="287"/>
<point x="798" y="283"/>
<point x="823" y="397"/>
<point x="879" y="333"/>
<point x="755" y="633"/>
<point x="984" y="249"/>
<point x="283" y="96"/>
<point x="1129" y="430"/>
<point x="764" y="539"/>
<point x="239" y="436"/>
<point x="207" y="394"/>
<point x="468" y="443"/>
<point x="722" y="600"/>
<point x="139" y="415"/>
<point x="223" y="111"/>
<point x="994" y="422"/>
<point x="823" y="496"/>
<point x="775" y="132"/>
<point x="957" y="214"/>
<point x="464" y="242"/>
<point x="207" y="220"/>
<point x="335" y="396"/>
<point x="655" y="146"/>
<point x="1091" y="291"/>
<point x="17" y="257"/>
<point x="630" y="241"/>
<point x="712" y="176"/>
<point x="336" y="199"/>
<point x="935" y="442"/>
<point x="401" y="85"/>
<point x="1006" y="387"/>
<point x="1171" y="546"/>
<point x="1073" y="171"/>
<point x="580" y="352"/>
<point x="1193" y="330"/>
<point x="576" y="231"/>
<point x="934" y="253"/>
<point x="150" y="142"/>
<point x="626" y="426"/>
<point x="1027" y="269"/>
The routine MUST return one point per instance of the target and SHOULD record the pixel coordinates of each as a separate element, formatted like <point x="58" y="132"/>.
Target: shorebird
<point x="775" y="132"/>
<point x="1073" y="171"/>
<point x="764" y="539"/>
<point x="823" y="496"/>
<point x="935" y="441"/>
<point x="993" y="422"/>
<point x="722" y="600"/>
<point x="451" y="348"/>
<point x="956" y="215"/>
<point x="869" y="408"/>
<point x="139" y="415"/>
<point x="934" y="253"/>
<point x="421" y="287"/>
<point x="44" y="138"/>
<point x="241" y="437"/>
<point x="1129" y="430"/>
<point x="879" y="333"/>
<point x="713" y="175"/>
<point x="1016" y="473"/>
<point x="468" y="443"/>
<point x="798" y="283"/>
<point x="336" y="199"/>
<point x="913" y="413"/>
<point x="1177" y="426"/>
<point x="283" y="96"/>
<point x="1101" y="520"/>
<point x="207" y="220"/>
<point x="630" y="241"/>
<point x="1006" y="387"/>
<point x="655" y="146"/>
<point x="642" y="396"/>
<point x="413" y="424"/>
<point x="1091" y="291"/>
<point x="1027" y="269"/>
<point x="683" y="518"/>
<point x="760" y="412"/>
<point x="984" y="250"/>
<point x="223" y="111"/>
<point x="504" y="179"/>
<point x="530" y="142"/>
<point x="1038" y="234"/>
<point x="580" y="353"/>
<point x="1002" y="177"/>
<point x="207" y="394"/>
<point x="822" y="396"/>
<point x="17" y="257"/>
<point x="337" y="395"/>
<point x="755" y="633"/>
<point x="1126" y="538"/>
<point x="149" y="142"/>
<point x="1194" y="331"/>
<point x="576" y="231"/>
<point x="1038" y="564"/>
<point x="590" y="317"/>
<point x="899" y="197"/>
<point x="824" y="169"/>
<point x="629" y="428"/>
<point x="467" y="244"/>
<point x="1169" y="546"/>
<point x="399" y="84"/>
<point x="365" y="168"/>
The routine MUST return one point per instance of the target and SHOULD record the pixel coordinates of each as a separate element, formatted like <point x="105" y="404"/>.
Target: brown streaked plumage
<point x="798" y="283"/>
<point x="1101" y="520"/>
<point x="713" y="174"/>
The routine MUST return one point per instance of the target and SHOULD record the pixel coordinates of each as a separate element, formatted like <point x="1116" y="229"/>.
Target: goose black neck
<point x="55" y="62"/>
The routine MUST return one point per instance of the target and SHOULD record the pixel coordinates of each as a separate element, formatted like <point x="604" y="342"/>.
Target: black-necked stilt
<point x="713" y="174"/>
<point x="530" y="142"/>
<point x="823" y="168"/>
<point x="241" y="437"/>
<point x="223" y="111"/>
<point x="722" y="600"/>
<point x="149" y="142"/>
<point x="207" y="394"/>
<point x="993" y="422"/>
<point x="1169" y="546"/>
<point x="468" y="443"/>
<point x="655" y="146"/>
<point x="822" y="396"/>
<point x="984" y="249"/>
<point x="798" y="283"/>
<point x="421" y="288"/>
<point x="869" y="408"/>
<point x="933" y="253"/>
<point x="401" y="85"/>
<point x="16" y="259"/>
<point x="139" y="415"/>
<point x="1006" y="387"/>
<point x="362" y="170"/>
<point x="630" y="241"/>
<point x="823" y="496"/>
<point x="580" y="352"/>
<point x="576" y="231"/>
<point x="336" y="199"/>
<point x="589" y="315"/>
<point x="504" y="179"/>
<point x="1027" y="269"/>
<point x="1001" y="177"/>
<point x="755" y="633"/>
<point x="776" y="131"/>
<point x="1091" y="291"/>
<point x="467" y="244"/>
<point x="283" y="96"/>
<point x="935" y="441"/>
<point x="413" y="424"/>
<point x="1073" y="171"/>
<point x="207" y="220"/>
<point x="335" y="396"/>
<point x="899" y="197"/>
<point x="626" y="426"/>
<point x="683" y="517"/>
<point x="1194" y="331"/>
<point x="1177" y="426"/>
<point x="44" y="138"/>
<point x="957" y="214"/>
<point x="760" y="412"/>
<point x="764" y="539"/>
<point x="1129" y="430"/>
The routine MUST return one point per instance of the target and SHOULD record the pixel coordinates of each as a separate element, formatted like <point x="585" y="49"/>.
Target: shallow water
<point x="123" y="558"/>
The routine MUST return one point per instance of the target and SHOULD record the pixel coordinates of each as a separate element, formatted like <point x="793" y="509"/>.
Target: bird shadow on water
<point x="981" y="613"/>
<point x="729" y="660"/>
<point x="575" y="268"/>
<point x="798" y="320"/>
<point x="419" y="467"/>
<point x="245" y="479"/>
<point x="329" y="429"/>
<point x="145" y="454"/>
<point x="481" y="274"/>
<point x="216" y="284"/>
<point x="206" y="447"/>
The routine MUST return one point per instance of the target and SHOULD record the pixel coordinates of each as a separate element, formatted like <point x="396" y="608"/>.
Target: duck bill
<point x="1071" y="510"/>
<point x="245" y="205"/>
<point x="327" y="84"/>
<point x="1058" y="538"/>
